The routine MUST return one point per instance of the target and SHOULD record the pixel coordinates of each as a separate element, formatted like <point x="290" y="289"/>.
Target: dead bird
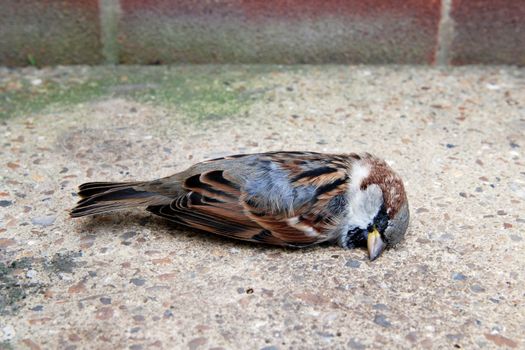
<point x="293" y="199"/>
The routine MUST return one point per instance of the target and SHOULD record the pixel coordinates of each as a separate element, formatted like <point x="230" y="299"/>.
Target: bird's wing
<point x="292" y="198"/>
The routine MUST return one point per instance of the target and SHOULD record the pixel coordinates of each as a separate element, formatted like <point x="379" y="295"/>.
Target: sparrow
<point x="291" y="199"/>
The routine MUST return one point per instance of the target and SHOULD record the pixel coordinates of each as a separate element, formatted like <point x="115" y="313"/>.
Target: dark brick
<point x="49" y="31"/>
<point x="276" y="31"/>
<point x="488" y="31"/>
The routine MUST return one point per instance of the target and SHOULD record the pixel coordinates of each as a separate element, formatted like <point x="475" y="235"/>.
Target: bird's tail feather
<point x="102" y="197"/>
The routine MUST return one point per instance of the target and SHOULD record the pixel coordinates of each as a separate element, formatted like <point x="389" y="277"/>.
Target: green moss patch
<point x="17" y="279"/>
<point x="13" y="287"/>
<point x="200" y="92"/>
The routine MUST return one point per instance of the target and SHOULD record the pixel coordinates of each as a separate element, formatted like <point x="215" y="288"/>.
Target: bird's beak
<point x="375" y="244"/>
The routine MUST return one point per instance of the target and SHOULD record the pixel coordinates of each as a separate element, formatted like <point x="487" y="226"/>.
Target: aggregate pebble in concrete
<point x="134" y="281"/>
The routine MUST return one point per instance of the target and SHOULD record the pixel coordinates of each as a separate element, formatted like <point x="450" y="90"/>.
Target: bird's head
<point x="378" y="211"/>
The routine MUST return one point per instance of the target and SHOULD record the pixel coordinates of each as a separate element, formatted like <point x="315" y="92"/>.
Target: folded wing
<point x="275" y="198"/>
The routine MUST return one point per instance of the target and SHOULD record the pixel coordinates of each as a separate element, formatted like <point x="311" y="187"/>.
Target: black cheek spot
<point x="356" y="237"/>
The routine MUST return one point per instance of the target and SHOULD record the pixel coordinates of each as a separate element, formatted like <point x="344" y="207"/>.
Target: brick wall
<point x="46" y="32"/>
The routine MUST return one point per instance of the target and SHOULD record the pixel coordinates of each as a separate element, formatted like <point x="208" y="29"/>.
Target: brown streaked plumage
<point x="283" y="198"/>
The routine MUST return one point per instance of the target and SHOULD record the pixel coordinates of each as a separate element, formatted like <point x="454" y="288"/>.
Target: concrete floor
<point x="456" y="135"/>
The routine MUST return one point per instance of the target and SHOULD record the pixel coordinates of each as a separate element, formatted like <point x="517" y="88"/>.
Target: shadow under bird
<point x="292" y="199"/>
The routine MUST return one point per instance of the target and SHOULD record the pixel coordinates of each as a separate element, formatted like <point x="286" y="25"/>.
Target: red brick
<point x="279" y="31"/>
<point x="50" y="31"/>
<point x="488" y="31"/>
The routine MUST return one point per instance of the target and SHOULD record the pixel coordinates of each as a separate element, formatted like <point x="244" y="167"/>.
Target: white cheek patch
<point x="363" y="206"/>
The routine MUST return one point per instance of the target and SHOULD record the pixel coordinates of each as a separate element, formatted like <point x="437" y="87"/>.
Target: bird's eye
<point x="381" y="219"/>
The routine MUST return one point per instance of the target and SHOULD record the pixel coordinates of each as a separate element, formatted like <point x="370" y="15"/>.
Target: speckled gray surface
<point x="133" y="281"/>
